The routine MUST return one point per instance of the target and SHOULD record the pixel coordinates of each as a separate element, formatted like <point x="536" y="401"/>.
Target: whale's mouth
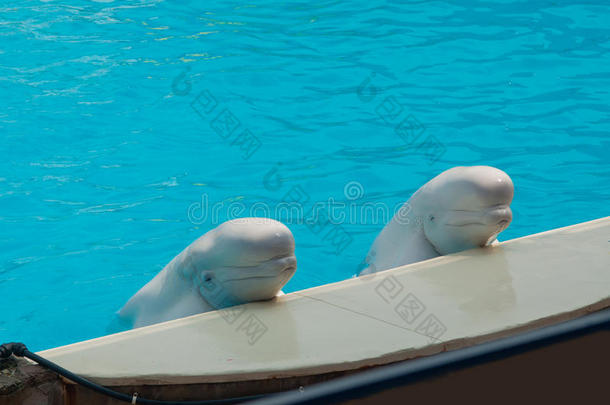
<point x="282" y="273"/>
<point x="498" y="216"/>
<point x="288" y="267"/>
<point x="503" y="223"/>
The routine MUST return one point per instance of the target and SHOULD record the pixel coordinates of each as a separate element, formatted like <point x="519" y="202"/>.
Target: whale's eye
<point x="207" y="278"/>
<point x="431" y="218"/>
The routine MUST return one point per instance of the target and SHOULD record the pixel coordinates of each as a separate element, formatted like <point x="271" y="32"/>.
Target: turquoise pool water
<point x="131" y="128"/>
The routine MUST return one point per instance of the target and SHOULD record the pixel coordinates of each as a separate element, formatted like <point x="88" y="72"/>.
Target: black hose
<point x="20" y="350"/>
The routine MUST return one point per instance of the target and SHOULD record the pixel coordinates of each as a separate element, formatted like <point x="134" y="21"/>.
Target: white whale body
<point x="461" y="208"/>
<point x="242" y="260"/>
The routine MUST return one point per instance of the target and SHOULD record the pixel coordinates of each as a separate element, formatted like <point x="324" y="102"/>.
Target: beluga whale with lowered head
<point x="461" y="208"/>
<point x="240" y="261"/>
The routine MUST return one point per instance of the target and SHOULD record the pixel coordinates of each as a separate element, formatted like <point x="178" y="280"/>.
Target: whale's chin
<point x="468" y="236"/>
<point x="500" y="226"/>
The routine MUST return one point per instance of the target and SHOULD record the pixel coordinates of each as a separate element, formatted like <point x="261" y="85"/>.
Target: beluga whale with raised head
<point x="461" y="208"/>
<point x="241" y="260"/>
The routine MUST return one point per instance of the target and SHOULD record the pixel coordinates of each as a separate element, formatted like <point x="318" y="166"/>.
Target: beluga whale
<point x="241" y="260"/>
<point x="461" y="208"/>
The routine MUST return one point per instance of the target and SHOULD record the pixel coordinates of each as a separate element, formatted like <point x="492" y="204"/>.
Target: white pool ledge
<point x="411" y="311"/>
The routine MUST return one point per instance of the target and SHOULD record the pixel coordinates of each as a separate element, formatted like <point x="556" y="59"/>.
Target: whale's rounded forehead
<point x="244" y="242"/>
<point x="472" y="187"/>
<point x="267" y="234"/>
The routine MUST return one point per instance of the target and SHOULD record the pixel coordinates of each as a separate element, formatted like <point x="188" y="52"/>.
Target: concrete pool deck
<point x="412" y="311"/>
